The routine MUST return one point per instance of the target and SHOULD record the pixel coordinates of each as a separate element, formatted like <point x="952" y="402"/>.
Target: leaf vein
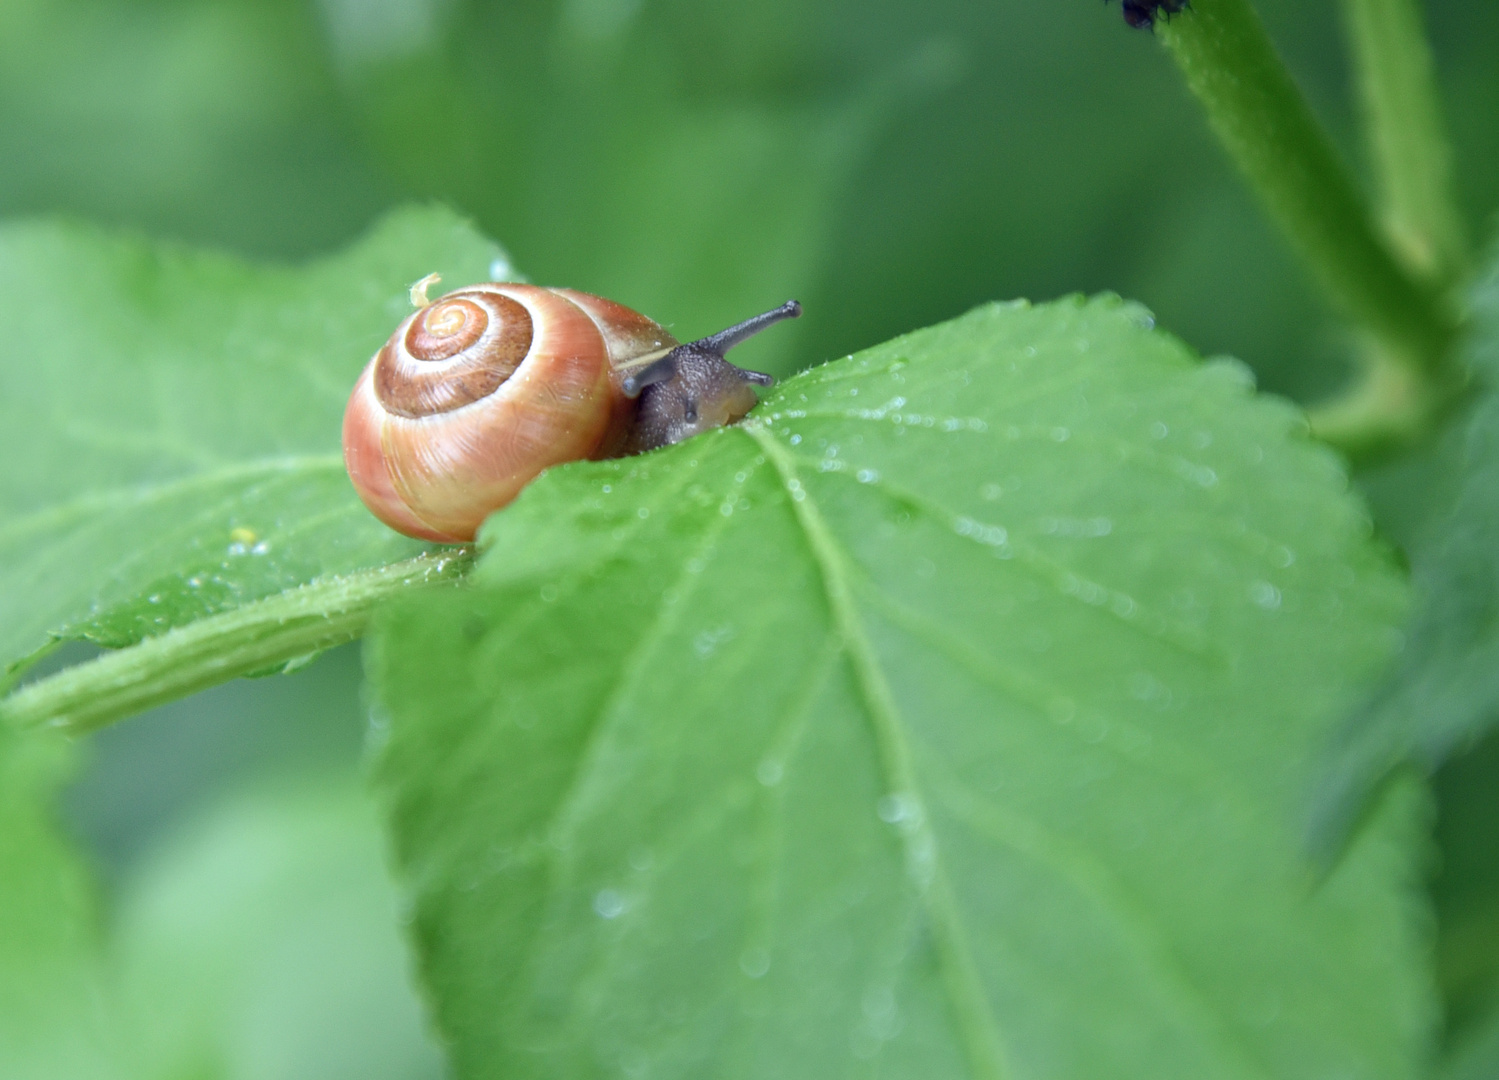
<point x="973" y="1014"/>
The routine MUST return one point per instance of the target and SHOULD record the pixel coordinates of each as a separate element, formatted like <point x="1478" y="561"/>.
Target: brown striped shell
<point x="479" y="391"/>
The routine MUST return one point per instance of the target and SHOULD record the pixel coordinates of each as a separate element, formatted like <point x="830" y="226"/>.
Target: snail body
<point x="479" y="391"/>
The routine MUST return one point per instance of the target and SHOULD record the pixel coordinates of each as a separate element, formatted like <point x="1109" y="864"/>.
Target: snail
<point x="479" y="391"/>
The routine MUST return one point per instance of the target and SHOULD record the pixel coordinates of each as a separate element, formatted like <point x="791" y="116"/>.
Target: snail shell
<point x="478" y="392"/>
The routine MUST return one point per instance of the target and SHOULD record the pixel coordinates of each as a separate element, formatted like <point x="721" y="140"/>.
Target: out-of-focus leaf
<point x="1056" y="153"/>
<point x="146" y="777"/>
<point x="1465" y="891"/>
<point x="1444" y="506"/>
<point x="890" y="165"/>
<point x="675" y="158"/>
<point x="55" y="1021"/>
<point x="951" y="713"/>
<point x="1477" y="1059"/>
<point x="261" y="944"/>
<point x="215" y="121"/>
<point x="170" y="422"/>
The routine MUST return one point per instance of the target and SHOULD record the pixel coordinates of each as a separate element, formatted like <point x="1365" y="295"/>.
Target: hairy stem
<point x="1268" y="129"/>
<point x="1407" y="138"/>
<point x="253" y="638"/>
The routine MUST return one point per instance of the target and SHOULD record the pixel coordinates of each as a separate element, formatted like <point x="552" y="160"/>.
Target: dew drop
<point x="754" y="962"/>
<point x="897" y="808"/>
<point x="608" y="904"/>
<point x="769" y="772"/>
<point x="706" y="642"/>
<point x="1265" y="595"/>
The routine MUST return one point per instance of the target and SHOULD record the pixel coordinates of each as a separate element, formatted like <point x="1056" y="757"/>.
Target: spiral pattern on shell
<point x="478" y="392"/>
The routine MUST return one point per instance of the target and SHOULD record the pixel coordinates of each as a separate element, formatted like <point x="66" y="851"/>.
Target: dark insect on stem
<point x="1142" y="14"/>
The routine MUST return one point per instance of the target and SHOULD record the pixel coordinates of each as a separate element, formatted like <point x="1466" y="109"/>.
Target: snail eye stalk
<point x="725" y="340"/>
<point x="660" y="371"/>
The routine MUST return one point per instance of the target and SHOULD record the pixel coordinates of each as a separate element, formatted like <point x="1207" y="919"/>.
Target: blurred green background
<point x="889" y="164"/>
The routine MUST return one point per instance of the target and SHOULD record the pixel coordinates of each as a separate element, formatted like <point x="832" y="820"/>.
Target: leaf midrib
<point x="982" y="1041"/>
<point x="982" y="1044"/>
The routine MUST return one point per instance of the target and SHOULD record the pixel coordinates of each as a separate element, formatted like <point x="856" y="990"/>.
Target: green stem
<point x="1268" y="129"/>
<point x="1407" y="136"/>
<point x="213" y="650"/>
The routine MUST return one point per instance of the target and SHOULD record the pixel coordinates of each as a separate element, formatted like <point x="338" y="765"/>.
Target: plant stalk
<point x="257" y="637"/>
<point x="1407" y="138"/>
<point x="1267" y="127"/>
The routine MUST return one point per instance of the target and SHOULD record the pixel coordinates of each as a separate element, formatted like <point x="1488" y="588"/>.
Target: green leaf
<point x="54" y="1012"/>
<point x="1478" y="1058"/>
<point x="261" y="942"/>
<point x="952" y="712"/>
<point x="1443" y="505"/>
<point x="1465" y="893"/>
<point x="173" y="418"/>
